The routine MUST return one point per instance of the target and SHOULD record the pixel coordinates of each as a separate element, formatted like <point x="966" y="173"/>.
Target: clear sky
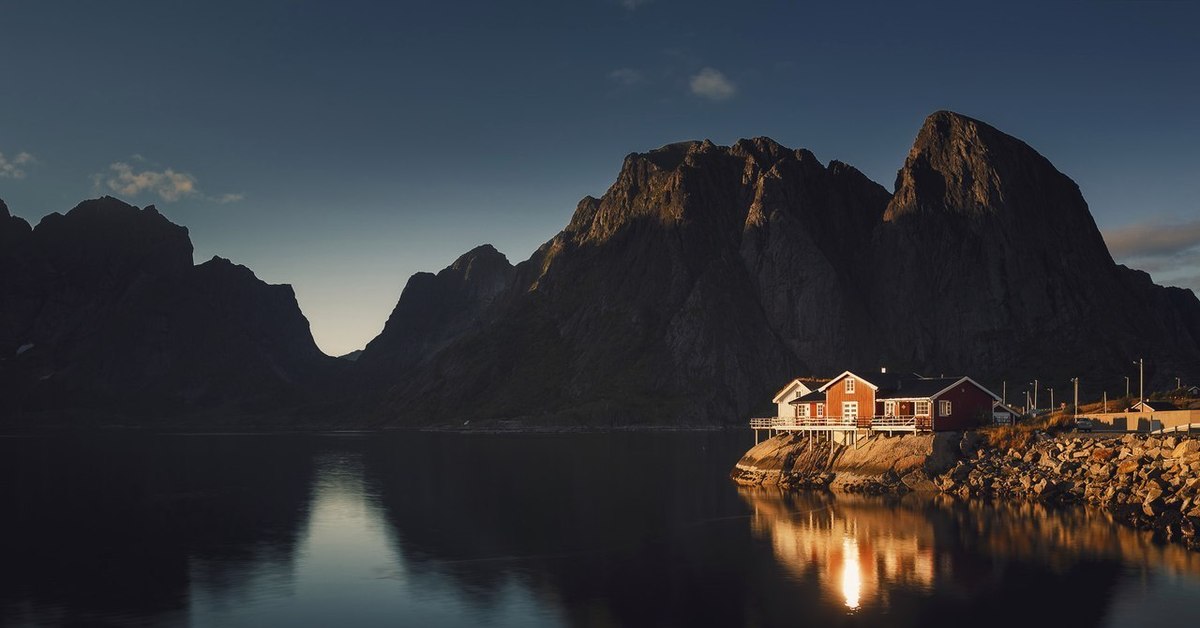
<point x="342" y="146"/>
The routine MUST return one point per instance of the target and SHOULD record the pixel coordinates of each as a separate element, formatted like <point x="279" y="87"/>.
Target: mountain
<point x="706" y="276"/>
<point x="102" y="311"/>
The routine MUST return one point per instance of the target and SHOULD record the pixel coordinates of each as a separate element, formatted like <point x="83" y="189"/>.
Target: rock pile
<point x="1149" y="482"/>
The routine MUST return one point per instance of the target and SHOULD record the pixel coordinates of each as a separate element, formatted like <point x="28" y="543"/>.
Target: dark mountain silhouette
<point x="707" y="275"/>
<point x="103" y="312"/>
<point x="703" y="279"/>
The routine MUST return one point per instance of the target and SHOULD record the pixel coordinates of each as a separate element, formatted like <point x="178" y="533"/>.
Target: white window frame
<point x="917" y="405"/>
<point x="944" y="407"/>
<point x="850" y="410"/>
<point x="802" y="410"/>
<point x="820" y="410"/>
<point x="889" y="408"/>
<point x="850" y="384"/>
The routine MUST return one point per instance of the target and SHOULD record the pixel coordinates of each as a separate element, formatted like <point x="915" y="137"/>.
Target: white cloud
<point x="1151" y="240"/>
<point x="627" y="77"/>
<point x="713" y="85"/>
<point x="167" y="183"/>
<point x="14" y="168"/>
<point x="1170" y="253"/>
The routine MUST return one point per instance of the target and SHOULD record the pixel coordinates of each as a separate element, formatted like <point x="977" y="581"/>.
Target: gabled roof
<point x="928" y="388"/>
<point x="1155" y="406"/>
<point x="839" y="378"/>
<point x="789" y="388"/>
<point x="815" y="395"/>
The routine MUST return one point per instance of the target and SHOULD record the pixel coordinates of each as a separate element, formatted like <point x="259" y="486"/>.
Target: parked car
<point x="1084" y="425"/>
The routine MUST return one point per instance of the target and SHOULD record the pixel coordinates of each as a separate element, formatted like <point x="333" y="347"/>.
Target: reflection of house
<point x="856" y="549"/>
<point x="850" y="402"/>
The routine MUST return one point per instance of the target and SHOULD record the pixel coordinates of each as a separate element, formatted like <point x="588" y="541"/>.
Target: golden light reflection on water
<point x="857" y="551"/>
<point x="862" y="550"/>
<point x="851" y="573"/>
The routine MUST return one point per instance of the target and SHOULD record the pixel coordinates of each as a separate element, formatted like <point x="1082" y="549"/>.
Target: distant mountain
<point x="103" y="313"/>
<point x="352" y="356"/>
<point x="703" y="279"/>
<point x="706" y="276"/>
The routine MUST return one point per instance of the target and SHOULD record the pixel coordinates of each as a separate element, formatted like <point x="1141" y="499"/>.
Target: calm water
<point x="576" y="530"/>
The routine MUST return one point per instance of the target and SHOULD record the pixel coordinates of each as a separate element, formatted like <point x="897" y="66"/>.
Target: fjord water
<point x="624" y="529"/>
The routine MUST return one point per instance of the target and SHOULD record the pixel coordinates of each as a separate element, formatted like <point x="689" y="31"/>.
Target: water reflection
<point x="568" y="530"/>
<point x="877" y="556"/>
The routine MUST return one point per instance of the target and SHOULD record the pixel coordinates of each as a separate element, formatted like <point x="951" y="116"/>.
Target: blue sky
<point x="341" y="147"/>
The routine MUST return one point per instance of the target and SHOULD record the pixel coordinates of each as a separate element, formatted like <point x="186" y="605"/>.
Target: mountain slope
<point x="103" y="312"/>
<point x="706" y="276"/>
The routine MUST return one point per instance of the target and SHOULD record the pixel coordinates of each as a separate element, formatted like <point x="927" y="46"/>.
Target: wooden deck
<point x="836" y="423"/>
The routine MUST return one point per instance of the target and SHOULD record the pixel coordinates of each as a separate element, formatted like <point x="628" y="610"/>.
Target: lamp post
<point x="1075" y="380"/>
<point x="1141" y="379"/>
<point x="1004" y="392"/>
<point x="1051" y="398"/>
<point x="1126" y="386"/>
<point x="1035" y="389"/>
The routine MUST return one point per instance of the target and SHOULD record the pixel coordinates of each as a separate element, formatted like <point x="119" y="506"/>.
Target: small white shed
<point x="784" y="397"/>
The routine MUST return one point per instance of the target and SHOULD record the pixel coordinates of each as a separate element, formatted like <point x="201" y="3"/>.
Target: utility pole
<point x="1178" y="385"/>
<point x="1141" y="380"/>
<point x="1004" y="392"/>
<point x="1075" y="380"/>
<point x="1035" y="388"/>
<point x="1106" y="402"/>
<point x="1126" y="386"/>
<point x="1051" y="399"/>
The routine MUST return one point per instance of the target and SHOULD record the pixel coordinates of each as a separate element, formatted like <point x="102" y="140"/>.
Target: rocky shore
<point x="1148" y="482"/>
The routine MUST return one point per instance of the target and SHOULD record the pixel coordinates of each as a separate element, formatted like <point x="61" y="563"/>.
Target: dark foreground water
<point x="638" y="529"/>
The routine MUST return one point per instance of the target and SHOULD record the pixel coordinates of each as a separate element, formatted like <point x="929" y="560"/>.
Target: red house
<point x="888" y="403"/>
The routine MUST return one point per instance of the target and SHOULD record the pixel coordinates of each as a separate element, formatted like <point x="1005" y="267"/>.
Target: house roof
<point x="815" y="395"/>
<point x="845" y="373"/>
<point x="1156" y="406"/>
<point x="787" y="389"/>
<point x="927" y="388"/>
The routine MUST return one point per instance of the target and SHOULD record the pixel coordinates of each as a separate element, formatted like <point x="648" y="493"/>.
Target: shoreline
<point x="1147" y="482"/>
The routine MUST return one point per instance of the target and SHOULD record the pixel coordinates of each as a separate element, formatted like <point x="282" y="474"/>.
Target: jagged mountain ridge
<point x="103" y="312"/>
<point x="707" y="275"/>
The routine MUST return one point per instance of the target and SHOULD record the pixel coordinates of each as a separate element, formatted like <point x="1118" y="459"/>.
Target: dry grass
<point x="1019" y="436"/>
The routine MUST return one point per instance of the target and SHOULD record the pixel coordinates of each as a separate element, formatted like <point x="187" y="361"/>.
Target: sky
<point x="341" y="147"/>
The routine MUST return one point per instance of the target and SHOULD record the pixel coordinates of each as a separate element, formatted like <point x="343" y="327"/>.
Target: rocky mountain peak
<point x="965" y="166"/>
<point x="3" y="209"/>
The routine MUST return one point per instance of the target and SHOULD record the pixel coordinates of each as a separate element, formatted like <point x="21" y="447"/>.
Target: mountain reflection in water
<point x="430" y="529"/>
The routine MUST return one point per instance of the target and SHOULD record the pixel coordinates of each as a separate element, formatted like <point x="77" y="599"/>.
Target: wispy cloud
<point x="712" y="84"/>
<point x="166" y="183"/>
<point x="1151" y="240"/>
<point x="15" y="168"/>
<point x="1169" y="252"/>
<point x="627" y="77"/>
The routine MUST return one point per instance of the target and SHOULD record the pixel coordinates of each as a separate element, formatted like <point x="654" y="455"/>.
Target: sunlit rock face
<point x="706" y="276"/>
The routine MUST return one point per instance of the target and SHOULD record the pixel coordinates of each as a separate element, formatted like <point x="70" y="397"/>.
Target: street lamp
<point x="1141" y="379"/>
<point x="1126" y="386"/>
<point x="1051" y="399"/>
<point x="1035" y="389"/>
<point x="1075" y="380"/>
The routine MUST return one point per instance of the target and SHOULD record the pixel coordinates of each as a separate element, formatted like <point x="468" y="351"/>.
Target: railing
<point x="914" y="423"/>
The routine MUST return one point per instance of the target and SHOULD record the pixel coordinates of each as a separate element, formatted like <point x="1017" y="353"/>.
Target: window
<point x="849" y="409"/>
<point x="889" y="408"/>
<point x="943" y="408"/>
<point x="820" y="409"/>
<point x="849" y="384"/>
<point x="922" y="408"/>
<point x="802" y="410"/>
